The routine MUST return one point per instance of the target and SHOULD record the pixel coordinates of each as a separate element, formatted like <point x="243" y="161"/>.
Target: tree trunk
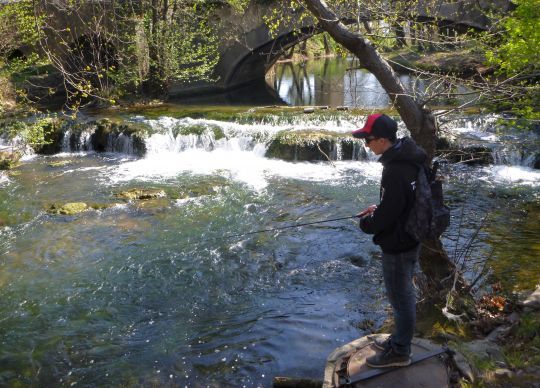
<point x="303" y="48"/>
<point x="155" y="84"/>
<point x="327" y="50"/>
<point x="421" y="123"/>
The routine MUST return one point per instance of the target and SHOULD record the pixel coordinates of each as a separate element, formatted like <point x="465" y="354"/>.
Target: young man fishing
<point x="400" y="159"/>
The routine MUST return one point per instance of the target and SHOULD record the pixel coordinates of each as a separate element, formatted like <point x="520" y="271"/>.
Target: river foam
<point x="249" y="167"/>
<point x="238" y="156"/>
<point x="513" y="175"/>
<point x="4" y="179"/>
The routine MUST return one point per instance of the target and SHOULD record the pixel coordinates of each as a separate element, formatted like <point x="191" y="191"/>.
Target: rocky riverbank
<point x="497" y="347"/>
<point x="505" y="349"/>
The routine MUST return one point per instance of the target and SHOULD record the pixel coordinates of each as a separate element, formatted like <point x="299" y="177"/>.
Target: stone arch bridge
<point x="247" y="58"/>
<point x="249" y="49"/>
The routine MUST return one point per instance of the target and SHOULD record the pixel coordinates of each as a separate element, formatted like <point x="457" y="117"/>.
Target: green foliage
<point x="32" y="133"/>
<point x="18" y="30"/>
<point x="115" y="48"/>
<point x="122" y="48"/>
<point x="514" y="52"/>
<point x="521" y="351"/>
<point x="20" y="69"/>
<point x="520" y="39"/>
<point x="184" y="47"/>
<point x="316" y="46"/>
<point x="18" y="25"/>
<point x="238" y="5"/>
<point x="529" y="328"/>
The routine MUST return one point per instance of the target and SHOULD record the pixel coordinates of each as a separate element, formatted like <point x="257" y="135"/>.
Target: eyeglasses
<point x="368" y="140"/>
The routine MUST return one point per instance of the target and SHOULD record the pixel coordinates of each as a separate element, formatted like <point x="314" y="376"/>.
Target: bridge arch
<point x="254" y="64"/>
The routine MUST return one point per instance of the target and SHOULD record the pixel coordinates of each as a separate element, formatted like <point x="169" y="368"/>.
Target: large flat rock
<point x="431" y="372"/>
<point x="533" y="301"/>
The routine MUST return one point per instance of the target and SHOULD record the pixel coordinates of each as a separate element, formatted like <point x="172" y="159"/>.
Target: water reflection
<point x="340" y="81"/>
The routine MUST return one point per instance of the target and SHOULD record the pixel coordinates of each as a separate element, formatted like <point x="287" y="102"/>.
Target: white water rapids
<point x="241" y="155"/>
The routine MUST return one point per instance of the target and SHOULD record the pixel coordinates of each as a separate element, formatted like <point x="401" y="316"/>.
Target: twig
<point x="327" y="157"/>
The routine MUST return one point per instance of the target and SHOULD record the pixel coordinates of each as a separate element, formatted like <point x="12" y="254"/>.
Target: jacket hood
<point x="404" y="150"/>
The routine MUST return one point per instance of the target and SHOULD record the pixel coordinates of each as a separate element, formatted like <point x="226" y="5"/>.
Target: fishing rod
<point x="359" y="215"/>
<point x="288" y="227"/>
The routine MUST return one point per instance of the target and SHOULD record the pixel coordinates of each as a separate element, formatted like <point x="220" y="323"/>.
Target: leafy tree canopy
<point x="514" y="52"/>
<point x="518" y="51"/>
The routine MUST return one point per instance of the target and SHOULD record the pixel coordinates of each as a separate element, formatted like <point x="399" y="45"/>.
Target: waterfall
<point x="337" y="151"/>
<point x="513" y="157"/>
<point x="76" y="142"/>
<point x="508" y="146"/>
<point x="66" y="140"/>
<point x="120" y="143"/>
<point x="86" y="137"/>
<point x="167" y="141"/>
<point x="359" y="152"/>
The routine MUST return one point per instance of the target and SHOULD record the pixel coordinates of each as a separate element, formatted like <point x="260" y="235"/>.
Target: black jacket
<point x="396" y="197"/>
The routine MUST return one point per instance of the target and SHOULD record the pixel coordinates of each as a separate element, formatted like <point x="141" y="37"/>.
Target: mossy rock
<point x="154" y="205"/>
<point x="60" y="163"/>
<point x="134" y="194"/>
<point x="76" y="207"/>
<point x="203" y="188"/>
<point x="101" y="206"/>
<point x="107" y="129"/>
<point x="69" y="208"/>
<point x="53" y="129"/>
<point x="9" y="160"/>
<point x="311" y="145"/>
<point x="201" y="129"/>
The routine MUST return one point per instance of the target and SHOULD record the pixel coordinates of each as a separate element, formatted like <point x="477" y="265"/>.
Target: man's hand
<point x="367" y="211"/>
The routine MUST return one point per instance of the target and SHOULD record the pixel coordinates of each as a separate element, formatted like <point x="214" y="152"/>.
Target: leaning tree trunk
<point x="434" y="261"/>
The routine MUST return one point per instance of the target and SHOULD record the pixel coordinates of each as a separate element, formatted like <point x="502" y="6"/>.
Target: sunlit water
<point x="154" y="292"/>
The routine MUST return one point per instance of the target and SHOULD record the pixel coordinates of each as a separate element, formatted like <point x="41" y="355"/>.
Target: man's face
<point x="375" y="144"/>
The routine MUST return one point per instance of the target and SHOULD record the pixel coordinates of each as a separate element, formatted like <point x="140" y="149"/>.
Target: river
<point x="341" y="82"/>
<point x="153" y="292"/>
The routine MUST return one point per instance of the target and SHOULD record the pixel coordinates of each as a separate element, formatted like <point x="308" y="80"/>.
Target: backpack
<point x="428" y="217"/>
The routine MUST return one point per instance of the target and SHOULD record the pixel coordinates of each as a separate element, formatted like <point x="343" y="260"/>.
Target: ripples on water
<point x="151" y="292"/>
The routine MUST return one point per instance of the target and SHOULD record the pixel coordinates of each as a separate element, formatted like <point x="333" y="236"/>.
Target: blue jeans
<point x="398" y="270"/>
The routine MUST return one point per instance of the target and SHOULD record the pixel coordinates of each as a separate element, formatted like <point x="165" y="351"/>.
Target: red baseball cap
<point x="377" y="125"/>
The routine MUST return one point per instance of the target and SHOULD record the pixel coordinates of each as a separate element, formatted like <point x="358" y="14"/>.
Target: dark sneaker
<point x="387" y="359"/>
<point x="383" y="344"/>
